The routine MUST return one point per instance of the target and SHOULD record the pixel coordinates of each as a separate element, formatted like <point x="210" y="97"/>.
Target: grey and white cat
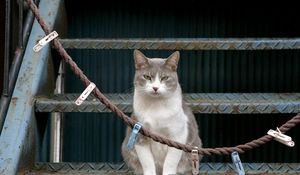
<point x="158" y="105"/>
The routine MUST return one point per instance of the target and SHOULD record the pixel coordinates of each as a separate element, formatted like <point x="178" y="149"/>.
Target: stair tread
<point x="184" y="43"/>
<point x="222" y="103"/>
<point x="205" y="168"/>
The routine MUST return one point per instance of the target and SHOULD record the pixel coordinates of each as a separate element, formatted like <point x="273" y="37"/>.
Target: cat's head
<point x="156" y="77"/>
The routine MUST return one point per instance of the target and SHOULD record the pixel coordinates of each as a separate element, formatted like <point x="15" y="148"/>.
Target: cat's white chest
<point x="159" y="115"/>
<point x="165" y="118"/>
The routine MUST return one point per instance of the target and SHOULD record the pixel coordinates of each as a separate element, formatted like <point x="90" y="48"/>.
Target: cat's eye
<point x="164" y="78"/>
<point x="147" y="77"/>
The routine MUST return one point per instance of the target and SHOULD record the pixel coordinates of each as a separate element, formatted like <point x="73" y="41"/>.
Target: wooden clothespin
<point x="45" y="41"/>
<point x="85" y="94"/>
<point x="282" y="138"/>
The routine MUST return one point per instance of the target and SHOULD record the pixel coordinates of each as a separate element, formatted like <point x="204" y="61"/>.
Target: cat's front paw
<point x="149" y="173"/>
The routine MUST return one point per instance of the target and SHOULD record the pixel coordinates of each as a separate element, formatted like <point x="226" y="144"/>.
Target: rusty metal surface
<point x="222" y="103"/>
<point x="14" y="68"/>
<point x="184" y="44"/>
<point x="18" y="140"/>
<point x="6" y="48"/>
<point x="121" y="168"/>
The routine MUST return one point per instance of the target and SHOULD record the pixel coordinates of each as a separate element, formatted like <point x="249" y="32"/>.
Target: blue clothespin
<point x="134" y="134"/>
<point x="237" y="162"/>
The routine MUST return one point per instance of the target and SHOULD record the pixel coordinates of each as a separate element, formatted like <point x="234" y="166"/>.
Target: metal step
<point x="205" y="168"/>
<point x="184" y="43"/>
<point x="218" y="103"/>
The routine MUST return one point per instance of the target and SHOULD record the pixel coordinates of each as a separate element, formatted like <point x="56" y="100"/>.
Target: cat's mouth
<point x="155" y="93"/>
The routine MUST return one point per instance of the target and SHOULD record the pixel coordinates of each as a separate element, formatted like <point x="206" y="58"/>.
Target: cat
<point x="159" y="107"/>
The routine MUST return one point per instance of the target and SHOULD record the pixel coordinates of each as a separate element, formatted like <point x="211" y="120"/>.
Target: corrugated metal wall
<point x="97" y="137"/>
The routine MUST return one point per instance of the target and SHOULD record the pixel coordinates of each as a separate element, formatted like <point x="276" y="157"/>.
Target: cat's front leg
<point x="174" y="155"/>
<point x="171" y="162"/>
<point x="146" y="159"/>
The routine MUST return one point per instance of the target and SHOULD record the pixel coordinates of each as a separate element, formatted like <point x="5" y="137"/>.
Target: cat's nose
<point x="155" y="89"/>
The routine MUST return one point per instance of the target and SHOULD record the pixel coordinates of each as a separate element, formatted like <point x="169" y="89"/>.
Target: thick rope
<point x="130" y="122"/>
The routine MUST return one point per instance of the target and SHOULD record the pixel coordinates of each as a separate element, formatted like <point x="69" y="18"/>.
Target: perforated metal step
<point x="223" y="103"/>
<point x="184" y="43"/>
<point x="205" y="168"/>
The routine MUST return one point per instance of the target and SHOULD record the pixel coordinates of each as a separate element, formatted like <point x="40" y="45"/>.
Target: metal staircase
<point x="115" y="169"/>
<point x="30" y="98"/>
<point x="205" y="103"/>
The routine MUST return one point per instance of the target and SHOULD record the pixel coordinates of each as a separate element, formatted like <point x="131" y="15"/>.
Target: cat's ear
<point x="140" y="60"/>
<point x="172" y="61"/>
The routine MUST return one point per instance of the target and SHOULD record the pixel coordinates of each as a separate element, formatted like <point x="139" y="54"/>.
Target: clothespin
<point x="44" y="41"/>
<point x="195" y="161"/>
<point x="282" y="138"/>
<point x="134" y="134"/>
<point x="237" y="162"/>
<point x="85" y="94"/>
